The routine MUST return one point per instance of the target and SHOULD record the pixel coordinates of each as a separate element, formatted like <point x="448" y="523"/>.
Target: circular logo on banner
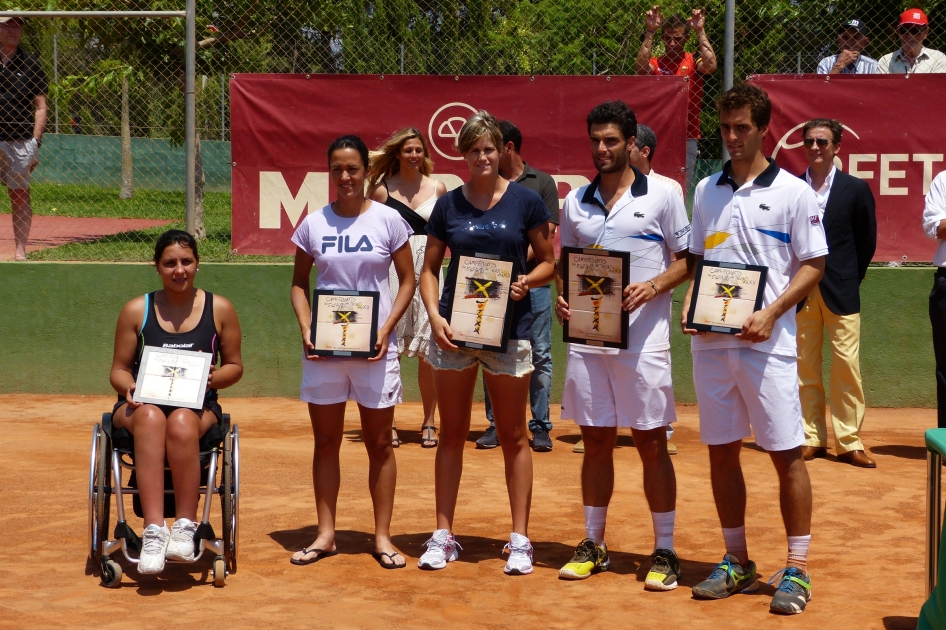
<point x="445" y="126"/>
<point x="785" y="144"/>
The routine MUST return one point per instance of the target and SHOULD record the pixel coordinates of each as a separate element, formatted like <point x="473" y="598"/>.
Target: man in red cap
<point x="912" y="56"/>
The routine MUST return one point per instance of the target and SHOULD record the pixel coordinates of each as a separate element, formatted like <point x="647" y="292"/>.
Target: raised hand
<point x="697" y="20"/>
<point x="653" y="19"/>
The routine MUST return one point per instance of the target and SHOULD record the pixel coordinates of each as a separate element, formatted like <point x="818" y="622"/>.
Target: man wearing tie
<point x="847" y="213"/>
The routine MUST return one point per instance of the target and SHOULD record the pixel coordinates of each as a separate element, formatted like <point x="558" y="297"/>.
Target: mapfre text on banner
<point x="892" y="139"/>
<point x="281" y="126"/>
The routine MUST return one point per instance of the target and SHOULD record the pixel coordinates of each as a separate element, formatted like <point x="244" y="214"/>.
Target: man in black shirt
<point x="22" y="120"/>
<point x="512" y="167"/>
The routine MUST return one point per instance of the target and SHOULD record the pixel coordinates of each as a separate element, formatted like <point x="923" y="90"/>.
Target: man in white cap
<point x="22" y="120"/>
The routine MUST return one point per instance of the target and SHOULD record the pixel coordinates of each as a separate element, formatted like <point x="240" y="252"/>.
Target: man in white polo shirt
<point x="607" y="388"/>
<point x="755" y="213"/>
<point x="934" y="224"/>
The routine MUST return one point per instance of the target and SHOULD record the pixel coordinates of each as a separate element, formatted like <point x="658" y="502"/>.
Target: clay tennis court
<point x="49" y="231"/>
<point x="867" y="555"/>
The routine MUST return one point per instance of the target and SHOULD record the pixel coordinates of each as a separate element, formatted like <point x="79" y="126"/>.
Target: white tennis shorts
<point x="623" y="390"/>
<point x="331" y="380"/>
<point x="742" y="391"/>
<point x="16" y="162"/>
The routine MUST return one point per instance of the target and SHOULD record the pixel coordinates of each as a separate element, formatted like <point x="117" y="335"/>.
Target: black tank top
<point x="417" y="222"/>
<point x="202" y="338"/>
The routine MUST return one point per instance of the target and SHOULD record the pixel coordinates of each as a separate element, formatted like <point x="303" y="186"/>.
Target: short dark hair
<point x="511" y="133"/>
<point x="676" y="21"/>
<point x="349" y="142"/>
<point x="747" y="95"/>
<point x="646" y="138"/>
<point x="174" y="237"/>
<point x="616" y="112"/>
<point x="829" y="123"/>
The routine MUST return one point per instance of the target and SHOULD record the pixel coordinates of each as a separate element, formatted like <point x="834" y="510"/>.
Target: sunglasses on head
<point x="822" y="142"/>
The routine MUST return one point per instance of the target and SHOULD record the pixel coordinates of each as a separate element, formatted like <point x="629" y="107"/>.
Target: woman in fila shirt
<point x="178" y="316"/>
<point x="489" y="215"/>
<point x="399" y="178"/>
<point x="352" y="243"/>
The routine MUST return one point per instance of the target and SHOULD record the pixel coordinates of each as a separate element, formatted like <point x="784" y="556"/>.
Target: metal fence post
<point x="223" y="108"/>
<point x="190" y="117"/>
<point x="56" y="77"/>
<point x="934" y="517"/>
<point x="728" y="54"/>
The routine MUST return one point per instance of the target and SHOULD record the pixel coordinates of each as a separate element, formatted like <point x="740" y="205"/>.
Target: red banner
<point x="891" y="140"/>
<point x="281" y="126"/>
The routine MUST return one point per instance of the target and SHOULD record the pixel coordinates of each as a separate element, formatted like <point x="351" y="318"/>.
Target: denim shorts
<point x="515" y="361"/>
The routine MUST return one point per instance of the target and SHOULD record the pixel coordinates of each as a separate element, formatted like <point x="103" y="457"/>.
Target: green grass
<point x="136" y="245"/>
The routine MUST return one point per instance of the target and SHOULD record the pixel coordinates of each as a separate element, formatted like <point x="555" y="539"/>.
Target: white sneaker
<point x="441" y="549"/>
<point x="520" y="555"/>
<point x="154" y="544"/>
<point x="181" y="546"/>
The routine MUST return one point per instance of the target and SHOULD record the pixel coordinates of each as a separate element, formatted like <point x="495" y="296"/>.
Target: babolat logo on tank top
<point x="179" y="346"/>
<point x="343" y="243"/>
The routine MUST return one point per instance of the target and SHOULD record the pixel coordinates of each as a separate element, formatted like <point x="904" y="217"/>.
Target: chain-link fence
<point x="111" y="172"/>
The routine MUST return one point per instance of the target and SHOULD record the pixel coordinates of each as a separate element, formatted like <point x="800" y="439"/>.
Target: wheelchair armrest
<point x="936" y="441"/>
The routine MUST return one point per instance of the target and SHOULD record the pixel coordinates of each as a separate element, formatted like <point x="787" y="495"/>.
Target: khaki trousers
<point x="847" y="393"/>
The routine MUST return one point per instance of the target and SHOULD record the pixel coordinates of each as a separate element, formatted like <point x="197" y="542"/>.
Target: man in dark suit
<point x="847" y="213"/>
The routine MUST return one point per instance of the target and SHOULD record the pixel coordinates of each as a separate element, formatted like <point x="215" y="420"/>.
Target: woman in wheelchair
<point x="184" y="317"/>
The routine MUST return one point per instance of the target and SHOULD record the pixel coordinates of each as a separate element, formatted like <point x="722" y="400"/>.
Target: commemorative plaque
<point x="481" y="313"/>
<point x="344" y="323"/>
<point x="172" y="377"/>
<point x="725" y="295"/>
<point x="594" y="289"/>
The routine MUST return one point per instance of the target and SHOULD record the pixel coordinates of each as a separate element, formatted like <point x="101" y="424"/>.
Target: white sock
<point x="595" y="520"/>
<point x="735" y="538"/>
<point x="663" y="529"/>
<point x="798" y="551"/>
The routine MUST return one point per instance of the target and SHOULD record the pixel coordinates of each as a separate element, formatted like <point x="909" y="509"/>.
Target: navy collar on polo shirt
<point x="638" y="189"/>
<point x="765" y="178"/>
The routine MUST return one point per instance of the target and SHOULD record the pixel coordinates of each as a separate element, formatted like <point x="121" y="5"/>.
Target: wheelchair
<point x="113" y="452"/>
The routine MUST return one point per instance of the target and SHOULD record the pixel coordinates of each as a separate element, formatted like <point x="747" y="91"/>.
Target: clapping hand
<point x="653" y="19"/>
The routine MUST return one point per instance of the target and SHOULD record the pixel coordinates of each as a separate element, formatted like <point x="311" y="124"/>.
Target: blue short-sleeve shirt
<point x="502" y="230"/>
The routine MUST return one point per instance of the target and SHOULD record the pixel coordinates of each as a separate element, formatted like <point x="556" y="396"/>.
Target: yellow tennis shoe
<point x="589" y="558"/>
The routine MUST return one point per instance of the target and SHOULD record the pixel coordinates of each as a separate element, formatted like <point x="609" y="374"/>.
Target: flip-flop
<point x="320" y="553"/>
<point x="426" y="432"/>
<point x="395" y="440"/>
<point x="380" y="556"/>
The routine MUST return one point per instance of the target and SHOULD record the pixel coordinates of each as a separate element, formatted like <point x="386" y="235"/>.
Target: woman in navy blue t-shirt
<point x="486" y="215"/>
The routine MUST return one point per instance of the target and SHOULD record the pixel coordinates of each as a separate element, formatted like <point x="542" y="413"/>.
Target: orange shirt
<point x="685" y="68"/>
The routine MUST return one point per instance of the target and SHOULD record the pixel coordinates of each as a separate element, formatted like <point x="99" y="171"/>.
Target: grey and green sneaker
<point x="664" y="571"/>
<point x="794" y="591"/>
<point x="728" y="578"/>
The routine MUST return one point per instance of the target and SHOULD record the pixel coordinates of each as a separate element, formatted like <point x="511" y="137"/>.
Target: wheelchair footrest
<point x="132" y="540"/>
<point x="205" y="531"/>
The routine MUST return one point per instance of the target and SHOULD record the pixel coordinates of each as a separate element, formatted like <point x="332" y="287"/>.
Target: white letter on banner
<point x="887" y="173"/>
<point x="274" y="194"/>
<point x="572" y="181"/>
<point x="927" y="159"/>
<point x="854" y="162"/>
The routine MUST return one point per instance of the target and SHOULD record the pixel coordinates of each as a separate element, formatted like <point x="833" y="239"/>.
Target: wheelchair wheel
<point x="111" y="573"/>
<point x="93" y="468"/>
<point x="230" y="497"/>
<point x="220" y="572"/>
<point x="99" y="491"/>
